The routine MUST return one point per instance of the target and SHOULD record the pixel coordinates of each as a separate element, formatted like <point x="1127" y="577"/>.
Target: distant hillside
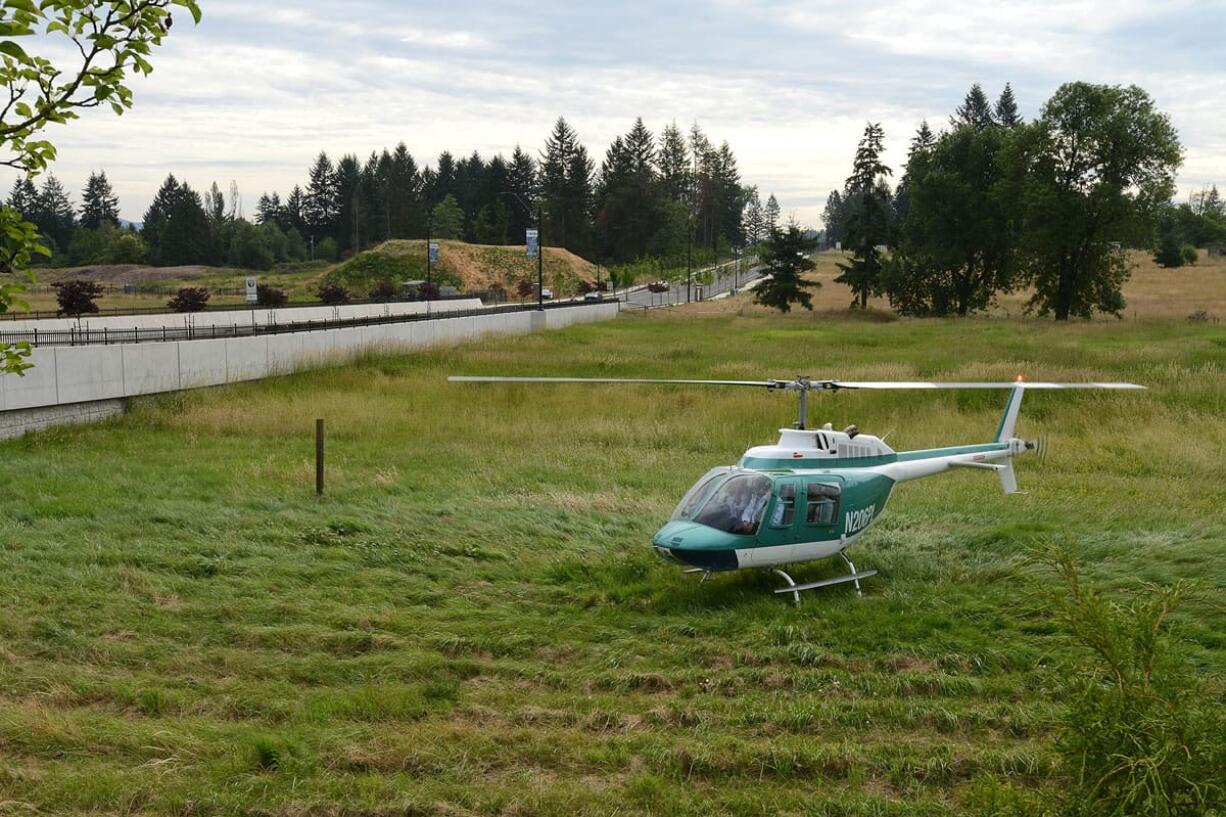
<point x="471" y="267"/>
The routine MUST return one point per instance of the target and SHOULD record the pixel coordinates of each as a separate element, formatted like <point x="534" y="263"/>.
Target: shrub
<point x="266" y="295"/>
<point x="1168" y="252"/>
<point x="77" y="297"/>
<point x="1138" y="737"/>
<point x="327" y="249"/>
<point x="189" y="299"/>
<point x="383" y="291"/>
<point x="525" y="289"/>
<point x="427" y="291"/>
<point x="333" y="294"/>
<point x="1189" y="254"/>
<point x="586" y="286"/>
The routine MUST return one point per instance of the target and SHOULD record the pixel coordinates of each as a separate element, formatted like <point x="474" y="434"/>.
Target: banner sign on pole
<point x="534" y="244"/>
<point x="252" y="291"/>
<point x="433" y="252"/>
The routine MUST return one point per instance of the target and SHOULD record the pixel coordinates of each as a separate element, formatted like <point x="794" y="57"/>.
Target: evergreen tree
<point x="320" y="204"/>
<point x="673" y="164"/>
<point x="772" y="214"/>
<point x="295" y="206"/>
<point x="447" y="220"/>
<point x="442" y="180"/>
<point x="54" y="215"/>
<point x="755" y="218"/>
<point x="99" y="204"/>
<point x="566" y="189"/>
<point x="1006" y="109"/>
<point x="522" y="183"/>
<point x="347" y="178"/>
<point x="868" y="217"/>
<point x="269" y="210"/>
<point x="975" y="110"/>
<point x="921" y="143"/>
<point x="786" y="259"/>
<point x="24" y="198"/>
<point x="405" y="195"/>
<point x="834" y="217"/>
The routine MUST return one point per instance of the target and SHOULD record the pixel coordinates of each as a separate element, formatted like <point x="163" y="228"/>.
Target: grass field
<point x="471" y="621"/>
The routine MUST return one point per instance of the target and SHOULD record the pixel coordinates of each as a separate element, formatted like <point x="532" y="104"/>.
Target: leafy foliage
<point x="111" y="39"/>
<point x="1094" y="167"/>
<point x="189" y="299"/>
<point x="785" y="259"/>
<point x="77" y="297"/>
<point x="1141" y="735"/>
<point x="266" y="295"/>
<point x="383" y="291"/>
<point x="334" y="294"/>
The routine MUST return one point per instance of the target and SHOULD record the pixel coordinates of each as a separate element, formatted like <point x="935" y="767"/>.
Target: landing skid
<point x="795" y="588"/>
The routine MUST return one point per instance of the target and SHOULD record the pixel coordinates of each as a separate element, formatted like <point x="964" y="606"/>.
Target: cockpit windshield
<point x="737" y="505"/>
<point x="702" y="489"/>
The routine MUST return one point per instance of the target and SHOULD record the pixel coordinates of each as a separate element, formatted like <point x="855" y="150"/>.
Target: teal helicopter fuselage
<point x="810" y="496"/>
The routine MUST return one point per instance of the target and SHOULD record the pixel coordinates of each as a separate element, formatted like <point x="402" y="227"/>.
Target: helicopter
<point x="815" y="492"/>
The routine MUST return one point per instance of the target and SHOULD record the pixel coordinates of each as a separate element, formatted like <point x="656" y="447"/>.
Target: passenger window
<point x="785" y="508"/>
<point x="823" y="503"/>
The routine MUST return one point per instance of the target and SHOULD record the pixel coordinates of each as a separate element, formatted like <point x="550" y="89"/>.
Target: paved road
<point x="676" y="294"/>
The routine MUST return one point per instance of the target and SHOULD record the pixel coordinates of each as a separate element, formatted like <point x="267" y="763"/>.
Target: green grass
<point x="471" y="621"/>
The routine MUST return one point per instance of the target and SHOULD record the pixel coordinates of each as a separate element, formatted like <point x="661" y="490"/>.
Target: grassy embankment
<point x="471" y="621"/>
<point x="471" y="267"/>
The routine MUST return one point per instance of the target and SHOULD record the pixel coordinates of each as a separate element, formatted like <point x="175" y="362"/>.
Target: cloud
<point x="258" y="89"/>
<point x="465" y="40"/>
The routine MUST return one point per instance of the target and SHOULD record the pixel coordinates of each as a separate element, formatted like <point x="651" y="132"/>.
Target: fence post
<point x="319" y="457"/>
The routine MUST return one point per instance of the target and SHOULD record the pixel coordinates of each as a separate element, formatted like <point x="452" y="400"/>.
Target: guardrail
<point x="108" y="336"/>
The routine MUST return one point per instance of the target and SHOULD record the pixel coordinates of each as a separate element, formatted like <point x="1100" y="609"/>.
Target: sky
<point x="258" y="88"/>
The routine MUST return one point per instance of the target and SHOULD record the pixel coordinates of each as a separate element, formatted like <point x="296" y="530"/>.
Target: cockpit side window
<point x="737" y="505"/>
<point x="702" y="489"/>
<point x="822" y="503"/>
<point x="785" y="507"/>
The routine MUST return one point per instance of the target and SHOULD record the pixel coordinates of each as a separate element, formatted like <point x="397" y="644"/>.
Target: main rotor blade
<point x="901" y="384"/>
<point x="761" y="384"/>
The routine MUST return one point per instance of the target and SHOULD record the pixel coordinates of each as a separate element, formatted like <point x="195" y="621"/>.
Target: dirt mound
<point x="473" y="267"/>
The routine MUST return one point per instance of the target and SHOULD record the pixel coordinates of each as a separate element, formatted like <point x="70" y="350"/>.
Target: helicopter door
<point x="821" y="513"/>
<point x="781" y="526"/>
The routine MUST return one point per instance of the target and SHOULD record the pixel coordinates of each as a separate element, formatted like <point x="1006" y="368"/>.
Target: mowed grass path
<point x="472" y="622"/>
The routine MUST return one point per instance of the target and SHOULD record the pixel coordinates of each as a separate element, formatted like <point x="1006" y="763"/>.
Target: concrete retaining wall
<point x="241" y="317"/>
<point x="81" y="383"/>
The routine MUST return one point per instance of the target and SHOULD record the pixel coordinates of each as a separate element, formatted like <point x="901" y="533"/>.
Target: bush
<point x="1141" y="734"/>
<point x="327" y="249"/>
<point x="189" y="299"/>
<point x="427" y="291"/>
<point x="333" y="294"/>
<point x="1189" y="254"/>
<point x="266" y="295"/>
<point x="383" y="292"/>
<point x="125" y="247"/>
<point x="525" y="289"/>
<point x="77" y="297"/>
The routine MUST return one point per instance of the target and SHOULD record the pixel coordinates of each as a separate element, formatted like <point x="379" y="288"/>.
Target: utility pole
<point x="429" y="260"/>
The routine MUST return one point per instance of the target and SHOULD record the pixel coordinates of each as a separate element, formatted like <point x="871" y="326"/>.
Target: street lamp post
<point x="540" y="246"/>
<point x="689" y="240"/>
<point x="429" y="262"/>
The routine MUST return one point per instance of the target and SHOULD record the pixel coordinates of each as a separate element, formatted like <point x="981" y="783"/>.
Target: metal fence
<point x="107" y="336"/>
<point x="486" y="297"/>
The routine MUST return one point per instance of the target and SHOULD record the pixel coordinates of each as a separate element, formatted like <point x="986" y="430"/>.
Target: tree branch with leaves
<point x="112" y="40"/>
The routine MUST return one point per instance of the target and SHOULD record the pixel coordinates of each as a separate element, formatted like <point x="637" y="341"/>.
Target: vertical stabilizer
<point x="1008" y="421"/>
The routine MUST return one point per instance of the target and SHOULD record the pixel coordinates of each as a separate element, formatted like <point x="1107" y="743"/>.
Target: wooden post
<point x="319" y="457"/>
